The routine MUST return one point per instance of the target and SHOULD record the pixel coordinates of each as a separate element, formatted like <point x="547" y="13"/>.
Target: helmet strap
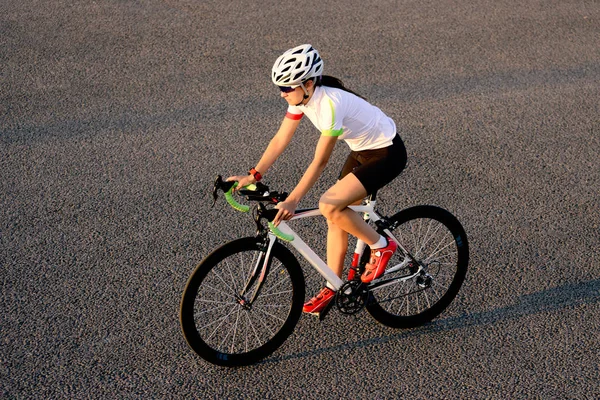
<point x="306" y="94"/>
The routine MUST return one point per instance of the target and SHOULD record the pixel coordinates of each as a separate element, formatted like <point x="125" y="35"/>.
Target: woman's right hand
<point x="242" y="180"/>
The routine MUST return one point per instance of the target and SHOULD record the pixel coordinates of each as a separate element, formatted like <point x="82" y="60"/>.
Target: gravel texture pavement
<point x="115" y="116"/>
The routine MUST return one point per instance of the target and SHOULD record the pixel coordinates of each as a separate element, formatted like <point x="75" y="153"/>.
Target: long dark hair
<point x="326" y="80"/>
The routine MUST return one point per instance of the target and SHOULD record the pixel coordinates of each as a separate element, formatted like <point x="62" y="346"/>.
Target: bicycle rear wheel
<point x="438" y="243"/>
<point x="219" y="319"/>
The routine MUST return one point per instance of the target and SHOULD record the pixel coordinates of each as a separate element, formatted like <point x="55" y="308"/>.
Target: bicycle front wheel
<point x="230" y="314"/>
<point x="437" y="243"/>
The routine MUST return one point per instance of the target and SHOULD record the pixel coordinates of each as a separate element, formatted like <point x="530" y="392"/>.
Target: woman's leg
<point x="341" y="220"/>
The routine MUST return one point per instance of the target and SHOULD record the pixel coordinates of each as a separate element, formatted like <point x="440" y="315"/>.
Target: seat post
<point x="372" y="197"/>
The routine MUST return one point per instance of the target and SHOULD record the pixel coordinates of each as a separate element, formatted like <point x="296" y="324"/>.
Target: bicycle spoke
<point x="253" y="330"/>
<point x="282" y="280"/>
<point x="221" y="320"/>
<point x="276" y="294"/>
<point x="223" y="281"/>
<point x="217" y="291"/>
<point x="427" y="240"/>
<point x="215" y="301"/>
<point x="437" y="284"/>
<point x="235" y="329"/>
<point x="221" y="344"/>
<point x="272" y="316"/>
<point x="274" y="306"/>
<point x="427" y="299"/>
<point x="417" y="297"/>
<point x="437" y="250"/>
<point x="215" y="309"/>
<point x="262" y="322"/>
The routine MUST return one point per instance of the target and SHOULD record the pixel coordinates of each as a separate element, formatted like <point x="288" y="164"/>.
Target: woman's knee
<point x="328" y="210"/>
<point x="332" y="209"/>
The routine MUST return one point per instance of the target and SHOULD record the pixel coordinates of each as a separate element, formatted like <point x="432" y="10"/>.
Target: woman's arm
<point x="275" y="148"/>
<point x="278" y="144"/>
<point x="313" y="172"/>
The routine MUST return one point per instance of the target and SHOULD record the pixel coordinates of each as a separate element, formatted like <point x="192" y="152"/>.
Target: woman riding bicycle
<point x="377" y="157"/>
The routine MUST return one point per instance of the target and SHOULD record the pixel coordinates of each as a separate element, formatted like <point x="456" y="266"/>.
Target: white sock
<point x="330" y="286"/>
<point x="380" y="244"/>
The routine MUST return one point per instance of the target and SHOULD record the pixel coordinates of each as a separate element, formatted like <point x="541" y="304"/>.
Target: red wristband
<point x="255" y="174"/>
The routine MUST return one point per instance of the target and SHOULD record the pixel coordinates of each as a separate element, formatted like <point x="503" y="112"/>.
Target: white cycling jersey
<point x="336" y="112"/>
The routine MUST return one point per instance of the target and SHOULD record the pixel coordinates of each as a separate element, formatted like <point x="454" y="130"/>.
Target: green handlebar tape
<point x="277" y="232"/>
<point x="233" y="203"/>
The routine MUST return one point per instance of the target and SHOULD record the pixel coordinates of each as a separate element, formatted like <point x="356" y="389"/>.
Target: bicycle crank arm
<point x="325" y="311"/>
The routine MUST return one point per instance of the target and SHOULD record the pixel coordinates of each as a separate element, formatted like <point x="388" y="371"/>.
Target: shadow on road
<point x="566" y="296"/>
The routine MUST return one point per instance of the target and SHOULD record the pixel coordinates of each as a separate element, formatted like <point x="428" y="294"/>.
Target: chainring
<point x="351" y="297"/>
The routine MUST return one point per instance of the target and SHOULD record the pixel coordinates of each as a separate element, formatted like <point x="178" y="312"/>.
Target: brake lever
<point x="214" y="193"/>
<point x="220" y="184"/>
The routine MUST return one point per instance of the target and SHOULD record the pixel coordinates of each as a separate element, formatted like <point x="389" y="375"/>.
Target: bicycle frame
<point x="313" y="259"/>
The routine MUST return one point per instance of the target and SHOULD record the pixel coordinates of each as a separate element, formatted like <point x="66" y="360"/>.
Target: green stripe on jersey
<point x="332" y="132"/>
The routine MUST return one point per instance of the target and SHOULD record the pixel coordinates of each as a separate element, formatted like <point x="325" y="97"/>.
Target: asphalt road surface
<point x="116" y="115"/>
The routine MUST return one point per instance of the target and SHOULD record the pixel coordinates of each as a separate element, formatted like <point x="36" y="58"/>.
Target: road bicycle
<point x="244" y="299"/>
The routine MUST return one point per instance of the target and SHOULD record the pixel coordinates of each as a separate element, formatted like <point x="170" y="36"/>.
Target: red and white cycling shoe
<point x="319" y="302"/>
<point x="379" y="259"/>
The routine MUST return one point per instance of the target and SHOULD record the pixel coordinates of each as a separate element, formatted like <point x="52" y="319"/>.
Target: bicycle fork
<point x="259" y="272"/>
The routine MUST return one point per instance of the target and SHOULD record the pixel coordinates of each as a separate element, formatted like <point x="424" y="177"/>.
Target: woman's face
<point x="296" y="96"/>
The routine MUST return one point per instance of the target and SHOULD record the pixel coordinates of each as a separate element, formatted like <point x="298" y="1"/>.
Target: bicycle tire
<point x="437" y="240"/>
<point x="215" y="323"/>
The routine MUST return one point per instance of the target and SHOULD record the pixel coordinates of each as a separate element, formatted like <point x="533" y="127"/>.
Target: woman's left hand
<point x="242" y="180"/>
<point x="286" y="211"/>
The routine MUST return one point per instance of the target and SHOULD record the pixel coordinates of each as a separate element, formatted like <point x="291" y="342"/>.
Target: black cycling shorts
<point x="376" y="168"/>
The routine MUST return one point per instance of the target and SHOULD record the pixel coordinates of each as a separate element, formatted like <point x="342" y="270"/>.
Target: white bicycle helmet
<point x="296" y="66"/>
